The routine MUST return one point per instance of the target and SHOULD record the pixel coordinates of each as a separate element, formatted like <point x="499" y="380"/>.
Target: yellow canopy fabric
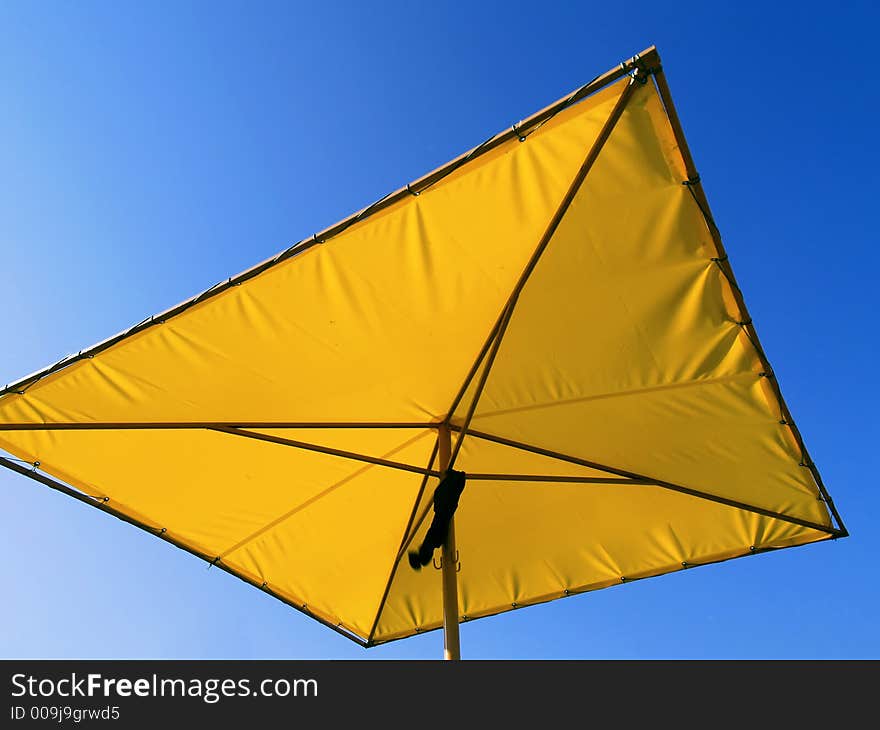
<point x="617" y="416"/>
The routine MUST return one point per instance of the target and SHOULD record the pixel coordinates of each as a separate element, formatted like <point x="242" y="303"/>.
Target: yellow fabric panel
<point x="336" y="556"/>
<point x="380" y="323"/>
<point x="317" y="529"/>
<point x="528" y="543"/>
<point x="622" y="349"/>
<point x="716" y="437"/>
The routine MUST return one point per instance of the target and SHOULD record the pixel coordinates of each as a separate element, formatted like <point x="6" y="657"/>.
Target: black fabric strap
<point x="445" y="503"/>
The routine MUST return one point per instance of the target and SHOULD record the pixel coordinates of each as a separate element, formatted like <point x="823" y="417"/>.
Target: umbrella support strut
<point x="448" y="567"/>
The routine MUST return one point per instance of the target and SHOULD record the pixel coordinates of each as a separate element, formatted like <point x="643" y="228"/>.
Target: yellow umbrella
<point x="551" y="313"/>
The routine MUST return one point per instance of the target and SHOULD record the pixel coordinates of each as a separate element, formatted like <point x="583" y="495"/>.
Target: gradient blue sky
<point x="149" y="150"/>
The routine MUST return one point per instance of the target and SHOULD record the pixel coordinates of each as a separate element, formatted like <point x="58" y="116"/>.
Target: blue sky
<point x="148" y="150"/>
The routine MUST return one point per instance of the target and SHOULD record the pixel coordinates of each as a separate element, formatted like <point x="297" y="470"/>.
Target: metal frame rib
<point x="636" y="478"/>
<point x="216" y="425"/>
<point x="489" y="350"/>
<point x="268" y="438"/>
<point x="553" y="478"/>
<point x="404" y="544"/>
<point x="507" y="311"/>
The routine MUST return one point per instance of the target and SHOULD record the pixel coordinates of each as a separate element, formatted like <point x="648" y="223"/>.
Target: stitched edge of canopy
<point x="609" y="583"/>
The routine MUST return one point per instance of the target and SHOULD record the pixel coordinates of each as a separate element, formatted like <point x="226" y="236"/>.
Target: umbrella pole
<point x="451" y="646"/>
